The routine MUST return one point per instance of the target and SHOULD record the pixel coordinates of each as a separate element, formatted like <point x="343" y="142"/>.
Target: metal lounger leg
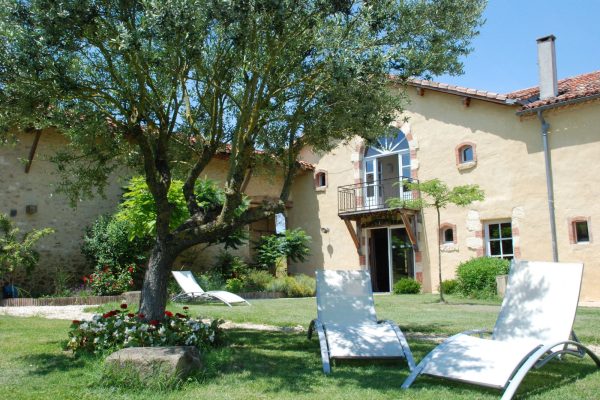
<point x="518" y="377"/>
<point x="316" y="325"/>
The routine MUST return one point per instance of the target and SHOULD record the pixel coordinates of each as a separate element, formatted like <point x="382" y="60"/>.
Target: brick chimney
<point x="547" y="67"/>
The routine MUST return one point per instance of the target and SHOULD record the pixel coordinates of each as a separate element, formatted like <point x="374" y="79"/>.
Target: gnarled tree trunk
<point x="154" y="290"/>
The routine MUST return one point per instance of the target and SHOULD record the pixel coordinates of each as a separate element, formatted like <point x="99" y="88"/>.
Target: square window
<point x="499" y="241"/>
<point x="582" y="234"/>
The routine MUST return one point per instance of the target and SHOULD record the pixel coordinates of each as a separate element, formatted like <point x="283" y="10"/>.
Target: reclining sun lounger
<point x="193" y="291"/>
<point x="347" y="325"/>
<point x="534" y="326"/>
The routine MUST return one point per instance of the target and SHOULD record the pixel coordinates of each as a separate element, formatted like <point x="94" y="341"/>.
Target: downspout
<point x="549" y="183"/>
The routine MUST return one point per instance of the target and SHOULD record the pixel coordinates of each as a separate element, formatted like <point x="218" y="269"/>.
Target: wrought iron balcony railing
<point x="374" y="196"/>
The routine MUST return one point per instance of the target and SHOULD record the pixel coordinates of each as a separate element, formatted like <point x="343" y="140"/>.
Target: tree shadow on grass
<point x="289" y="362"/>
<point x="48" y="363"/>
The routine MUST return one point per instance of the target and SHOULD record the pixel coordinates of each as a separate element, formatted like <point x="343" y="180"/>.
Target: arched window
<point x="448" y="233"/>
<point x="466" y="157"/>
<point x="387" y="169"/>
<point x="321" y="180"/>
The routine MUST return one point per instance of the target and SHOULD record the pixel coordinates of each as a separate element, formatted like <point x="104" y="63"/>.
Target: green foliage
<point x="18" y="254"/>
<point x="407" y="286"/>
<point x="271" y="248"/>
<point x="257" y="281"/>
<point x="229" y="266"/>
<point x="234" y="285"/>
<point x="450" y="286"/>
<point x="139" y="208"/>
<point x="106" y="281"/>
<point x="294" y="286"/>
<point x="107" y="243"/>
<point x="477" y="277"/>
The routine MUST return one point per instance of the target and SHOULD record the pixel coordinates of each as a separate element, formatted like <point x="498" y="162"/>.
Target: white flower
<point x="96" y="317"/>
<point x="196" y="327"/>
<point x="118" y="323"/>
<point x="83" y="326"/>
<point x="212" y="337"/>
<point x="162" y="331"/>
<point x="190" y="340"/>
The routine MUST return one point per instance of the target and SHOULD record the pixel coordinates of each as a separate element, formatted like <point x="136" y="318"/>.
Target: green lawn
<point x="269" y="365"/>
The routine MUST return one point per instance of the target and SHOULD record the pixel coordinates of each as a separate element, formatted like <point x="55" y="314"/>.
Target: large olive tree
<point x="163" y="86"/>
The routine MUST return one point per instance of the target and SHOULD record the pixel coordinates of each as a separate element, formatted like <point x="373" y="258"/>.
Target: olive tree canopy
<point x="163" y="86"/>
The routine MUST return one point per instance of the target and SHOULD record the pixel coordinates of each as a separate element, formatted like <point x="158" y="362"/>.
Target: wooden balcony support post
<point x="353" y="234"/>
<point x="36" y="140"/>
<point x="410" y="229"/>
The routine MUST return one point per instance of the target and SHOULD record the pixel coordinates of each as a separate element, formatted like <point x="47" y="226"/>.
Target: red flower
<point x="178" y="315"/>
<point x="131" y="315"/>
<point x="76" y="322"/>
<point x="106" y="268"/>
<point x="154" y="322"/>
<point x="186" y="308"/>
<point x="168" y="313"/>
<point x="130" y="269"/>
<point x="85" y="279"/>
<point x="123" y="306"/>
<point x="141" y="315"/>
<point x="107" y="315"/>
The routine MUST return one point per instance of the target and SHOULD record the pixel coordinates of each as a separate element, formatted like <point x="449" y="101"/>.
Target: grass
<point x="269" y="365"/>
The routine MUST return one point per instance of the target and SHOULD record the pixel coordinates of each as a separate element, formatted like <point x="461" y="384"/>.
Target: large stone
<point x="169" y="361"/>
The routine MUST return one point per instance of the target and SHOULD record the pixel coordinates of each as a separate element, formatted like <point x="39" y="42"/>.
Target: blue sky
<point x="504" y="55"/>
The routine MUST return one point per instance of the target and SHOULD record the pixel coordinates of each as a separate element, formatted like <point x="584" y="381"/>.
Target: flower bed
<point x="120" y="328"/>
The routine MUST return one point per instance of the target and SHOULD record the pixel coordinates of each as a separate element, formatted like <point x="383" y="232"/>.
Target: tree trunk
<point x="153" y="301"/>
<point x="439" y="246"/>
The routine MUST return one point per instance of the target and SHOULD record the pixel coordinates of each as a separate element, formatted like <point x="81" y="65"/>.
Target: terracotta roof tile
<point x="576" y="87"/>
<point x="458" y="90"/>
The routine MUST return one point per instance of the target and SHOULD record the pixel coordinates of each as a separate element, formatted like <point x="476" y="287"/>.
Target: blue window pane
<point x="467" y="154"/>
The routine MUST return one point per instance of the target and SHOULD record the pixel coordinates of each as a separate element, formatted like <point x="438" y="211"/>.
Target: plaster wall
<point x="60" y="253"/>
<point x="509" y="168"/>
<point x="315" y="210"/>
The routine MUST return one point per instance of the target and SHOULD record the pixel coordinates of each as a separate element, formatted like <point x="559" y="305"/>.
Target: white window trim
<point x="488" y="239"/>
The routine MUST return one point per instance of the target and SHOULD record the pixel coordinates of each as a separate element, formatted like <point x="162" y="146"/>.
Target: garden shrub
<point x="121" y="328"/>
<point x="257" y="281"/>
<point x="106" y="243"/>
<point x="407" y="286"/>
<point x="234" y="285"/>
<point x="209" y="281"/>
<point x="477" y="277"/>
<point x="271" y="248"/>
<point x="450" y="286"/>
<point x="230" y="266"/>
<point x="108" y="281"/>
<point x="294" y="286"/>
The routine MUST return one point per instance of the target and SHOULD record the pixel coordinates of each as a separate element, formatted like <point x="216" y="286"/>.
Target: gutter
<point x="549" y="183"/>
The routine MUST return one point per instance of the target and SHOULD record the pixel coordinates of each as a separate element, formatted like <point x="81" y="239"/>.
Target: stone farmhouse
<point x="534" y="152"/>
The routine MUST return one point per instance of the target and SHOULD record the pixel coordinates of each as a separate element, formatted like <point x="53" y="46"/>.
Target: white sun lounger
<point x="347" y="325"/>
<point x="193" y="291"/>
<point x="534" y="326"/>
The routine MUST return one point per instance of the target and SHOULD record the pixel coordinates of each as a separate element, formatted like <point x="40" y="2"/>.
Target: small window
<point x="499" y="240"/>
<point x="582" y="234"/>
<point x="448" y="235"/>
<point x="321" y="180"/>
<point x="466" y="154"/>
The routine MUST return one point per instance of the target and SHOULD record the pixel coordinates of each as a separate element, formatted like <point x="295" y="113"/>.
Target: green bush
<point x="106" y="243"/>
<point x="257" y="281"/>
<point x="291" y="243"/>
<point x="477" y="277"/>
<point x="229" y="266"/>
<point x="450" y="286"/>
<point x="407" y="286"/>
<point x="294" y="286"/>
<point x="234" y="285"/>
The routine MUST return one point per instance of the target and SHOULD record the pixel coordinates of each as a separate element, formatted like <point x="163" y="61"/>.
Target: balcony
<point x="372" y="197"/>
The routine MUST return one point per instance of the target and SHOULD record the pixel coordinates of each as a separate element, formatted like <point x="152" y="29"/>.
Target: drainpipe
<point x="549" y="183"/>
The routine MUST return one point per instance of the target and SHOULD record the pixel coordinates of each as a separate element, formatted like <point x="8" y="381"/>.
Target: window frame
<point x="573" y="236"/>
<point x="321" y="177"/>
<point x="459" y="151"/>
<point x="500" y="239"/>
